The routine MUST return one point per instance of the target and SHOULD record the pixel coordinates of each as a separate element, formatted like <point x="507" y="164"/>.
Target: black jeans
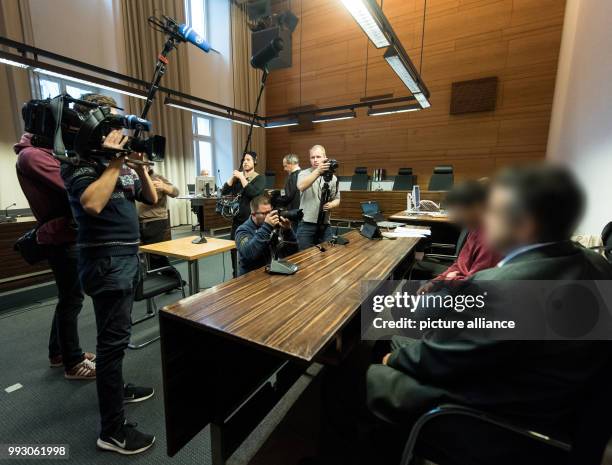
<point x="307" y="234"/>
<point x="64" y="337"/>
<point x="150" y="233"/>
<point x="111" y="283"/>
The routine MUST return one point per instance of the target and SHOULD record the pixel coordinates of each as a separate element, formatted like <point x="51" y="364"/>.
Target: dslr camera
<point x="292" y="215"/>
<point x="73" y="135"/>
<point x="329" y="174"/>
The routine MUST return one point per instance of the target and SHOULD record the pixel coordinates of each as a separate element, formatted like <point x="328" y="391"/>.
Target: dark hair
<point x="550" y="194"/>
<point x="95" y="98"/>
<point x="256" y="202"/>
<point x="467" y="194"/>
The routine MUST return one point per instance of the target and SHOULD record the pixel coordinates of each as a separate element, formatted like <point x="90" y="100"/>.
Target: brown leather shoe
<point x="84" y="370"/>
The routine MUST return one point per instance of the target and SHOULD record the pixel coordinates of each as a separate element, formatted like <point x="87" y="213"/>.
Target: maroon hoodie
<point x="38" y="172"/>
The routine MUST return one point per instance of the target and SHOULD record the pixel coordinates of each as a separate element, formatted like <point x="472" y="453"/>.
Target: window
<point x="203" y="146"/>
<point x="197" y="17"/>
<point x="49" y="86"/>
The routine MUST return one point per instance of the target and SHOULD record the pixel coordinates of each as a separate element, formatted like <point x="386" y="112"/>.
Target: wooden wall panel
<point x="516" y="40"/>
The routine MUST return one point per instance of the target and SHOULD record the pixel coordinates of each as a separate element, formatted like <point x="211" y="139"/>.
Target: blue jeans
<point x="111" y="282"/>
<point x="307" y="234"/>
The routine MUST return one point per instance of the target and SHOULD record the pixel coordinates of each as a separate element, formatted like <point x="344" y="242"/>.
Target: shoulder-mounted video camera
<point x="74" y="135"/>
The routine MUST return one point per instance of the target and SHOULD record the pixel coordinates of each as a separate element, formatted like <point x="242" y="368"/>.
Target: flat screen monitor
<point x="201" y="185"/>
<point x="370" y="208"/>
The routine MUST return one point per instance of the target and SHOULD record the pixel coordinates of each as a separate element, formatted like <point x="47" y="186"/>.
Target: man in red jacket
<point x="466" y="204"/>
<point x="38" y="172"/>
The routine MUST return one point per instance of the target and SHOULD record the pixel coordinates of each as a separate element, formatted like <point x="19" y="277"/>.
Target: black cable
<point x="423" y="36"/>
<point x="301" y="29"/>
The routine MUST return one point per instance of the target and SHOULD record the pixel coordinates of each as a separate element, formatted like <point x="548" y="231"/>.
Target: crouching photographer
<point x="256" y="237"/>
<point x="102" y="194"/>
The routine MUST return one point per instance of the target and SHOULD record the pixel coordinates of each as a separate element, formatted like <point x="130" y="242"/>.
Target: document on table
<point x="404" y="231"/>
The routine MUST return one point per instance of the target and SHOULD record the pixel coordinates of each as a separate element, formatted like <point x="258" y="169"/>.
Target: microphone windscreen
<point x="268" y="53"/>
<point x="190" y="35"/>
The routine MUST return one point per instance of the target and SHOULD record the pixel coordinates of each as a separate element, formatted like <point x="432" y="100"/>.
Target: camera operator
<point x="154" y="218"/>
<point x="102" y="196"/>
<point x="310" y="184"/>
<point x="38" y="172"/>
<point x="247" y="184"/>
<point x="291" y="198"/>
<point x="253" y="237"/>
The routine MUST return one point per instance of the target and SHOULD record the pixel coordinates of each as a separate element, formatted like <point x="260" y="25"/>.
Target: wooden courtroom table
<point x="389" y="202"/>
<point x="231" y="352"/>
<point x="15" y="272"/>
<point x="443" y="230"/>
<point x="185" y="249"/>
<point x="205" y="210"/>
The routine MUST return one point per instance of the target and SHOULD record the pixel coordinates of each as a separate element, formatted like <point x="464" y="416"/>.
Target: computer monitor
<point x="370" y="208"/>
<point x="202" y="182"/>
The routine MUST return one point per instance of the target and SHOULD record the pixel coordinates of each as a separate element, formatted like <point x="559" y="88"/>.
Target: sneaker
<point x="133" y="393"/>
<point x="82" y="370"/>
<point x="58" y="361"/>
<point x="127" y="441"/>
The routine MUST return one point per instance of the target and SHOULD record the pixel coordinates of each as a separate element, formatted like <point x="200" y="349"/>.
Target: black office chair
<point x="270" y="179"/>
<point x="405" y="180"/>
<point x="606" y="239"/>
<point x="152" y="284"/>
<point x="359" y="180"/>
<point x="432" y="264"/>
<point x="442" y="178"/>
<point x="458" y="435"/>
<point x="191" y="189"/>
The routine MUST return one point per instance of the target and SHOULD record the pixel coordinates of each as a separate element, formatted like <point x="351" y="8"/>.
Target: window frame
<point x="188" y="15"/>
<point x="62" y="83"/>
<point x="196" y="142"/>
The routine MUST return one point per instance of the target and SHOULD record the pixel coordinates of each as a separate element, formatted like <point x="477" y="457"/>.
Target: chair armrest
<point x="163" y="268"/>
<point x="440" y="256"/>
<point x="454" y="409"/>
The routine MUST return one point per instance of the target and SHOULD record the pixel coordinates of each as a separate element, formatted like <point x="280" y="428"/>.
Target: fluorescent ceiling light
<point x="207" y="112"/>
<point x="13" y="63"/>
<point x="334" y="117"/>
<point x="362" y="12"/>
<point x="391" y="110"/>
<point x="121" y="90"/>
<point x="422" y="99"/>
<point x="401" y="69"/>
<point x="281" y="123"/>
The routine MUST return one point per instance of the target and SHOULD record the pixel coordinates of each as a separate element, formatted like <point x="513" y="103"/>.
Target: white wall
<point x="581" y="125"/>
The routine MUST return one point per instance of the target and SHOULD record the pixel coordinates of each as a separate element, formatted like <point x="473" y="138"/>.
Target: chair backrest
<point x="359" y="180"/>
<point x="461" y="240"/>
<point x="606" y="239"/>
<point x="405" y="180"/>
<point x="442" y="178"/>
<point x="191" y="189"/>
<point x="270" y="179"/>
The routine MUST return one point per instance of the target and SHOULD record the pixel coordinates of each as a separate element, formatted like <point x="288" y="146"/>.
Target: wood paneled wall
<point x="516" y="40"/>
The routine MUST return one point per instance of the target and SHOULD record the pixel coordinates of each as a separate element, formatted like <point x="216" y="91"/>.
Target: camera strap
<point x="59" y="149"/>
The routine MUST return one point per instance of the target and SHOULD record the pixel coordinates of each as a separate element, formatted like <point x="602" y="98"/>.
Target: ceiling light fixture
<point x="281" y="123"/>
<point x="392" y="110"/>
<point x="334" y="117"/>
<point x="207" y="112"/>
<point x="369" y="17"/>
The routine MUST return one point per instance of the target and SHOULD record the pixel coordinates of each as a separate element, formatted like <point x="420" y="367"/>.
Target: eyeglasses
<point x="261" y="213"/>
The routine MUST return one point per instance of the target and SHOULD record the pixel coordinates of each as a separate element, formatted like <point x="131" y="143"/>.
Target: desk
<point x="15" y="272"/>
<point x="205" y="209"/>
<point x="443" y="230"/>
<point x="184" y="249"/>
<point x="388" y="201"/>
<point x="231" y="352"/>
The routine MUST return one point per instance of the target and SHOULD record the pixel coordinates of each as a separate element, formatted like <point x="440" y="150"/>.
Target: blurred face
<point x="259" y="216"/>
<point x="469" y="217"/>
<point x="504" y="229"/>
<point x="248" y="163"/>
<point x="288" y="167"/>
<point x="317" y="156"/>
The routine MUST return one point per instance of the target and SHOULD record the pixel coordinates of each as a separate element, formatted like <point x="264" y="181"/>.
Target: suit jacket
<point x="538" y="383"/>
<point x="291" y="199"/>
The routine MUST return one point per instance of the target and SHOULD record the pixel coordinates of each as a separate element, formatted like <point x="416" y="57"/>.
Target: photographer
<point x="253" y="237"/>
<point x="291" y="198"/>
<point x="247" y="184"/>
<point x="102" y="196"/>
<point x="38" y="172"/>
<point x="314" y="230"/>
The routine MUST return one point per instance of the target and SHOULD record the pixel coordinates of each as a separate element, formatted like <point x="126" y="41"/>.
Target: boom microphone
<point x="188" y="34"/>
<point x="268" y="53"/>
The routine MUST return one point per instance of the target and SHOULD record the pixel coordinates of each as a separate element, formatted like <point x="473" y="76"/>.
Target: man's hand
<point x="239" y="175"/>
<point x="115" y="140"/>
<point x="385" y="359"/>
<point x="452" y="275"/>
<point x="140" y="169"/>
<point x="160" y="186"/>
<point x="426" y="288"/>
<point x="323" y="167"/>
<point x="328" y="206"/>
<point x="272" y="218"/>
<point x="285" y="223"/>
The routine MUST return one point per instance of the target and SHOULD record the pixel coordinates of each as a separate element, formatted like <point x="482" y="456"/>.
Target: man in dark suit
<point x="290" y="200"/>
<point x="531" y="215"/>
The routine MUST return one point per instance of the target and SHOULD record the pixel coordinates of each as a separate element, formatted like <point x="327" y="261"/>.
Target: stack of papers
<point x="407" y="231"/>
